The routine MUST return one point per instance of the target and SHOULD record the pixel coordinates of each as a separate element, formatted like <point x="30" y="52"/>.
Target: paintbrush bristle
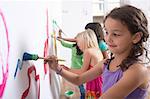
<point x="27" y="56"/>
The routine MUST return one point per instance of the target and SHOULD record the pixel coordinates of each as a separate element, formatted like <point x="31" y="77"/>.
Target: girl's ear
<point x="137" y="37"/>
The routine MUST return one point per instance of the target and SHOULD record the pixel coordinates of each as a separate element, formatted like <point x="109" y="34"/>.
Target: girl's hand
<point x="59" y="38"/>
<point x="65" y="67"/>
<point x="53" y="62"/>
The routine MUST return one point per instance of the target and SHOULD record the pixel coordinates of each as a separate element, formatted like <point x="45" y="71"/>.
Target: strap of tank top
<point x="107" y="62"/>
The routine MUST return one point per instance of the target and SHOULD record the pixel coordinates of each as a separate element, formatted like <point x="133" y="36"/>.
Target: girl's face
<point x="118" y="37"/>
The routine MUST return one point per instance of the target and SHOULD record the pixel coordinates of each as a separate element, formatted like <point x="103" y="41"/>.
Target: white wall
<point x="27" y="26"/>
<point x="75" y="15"/>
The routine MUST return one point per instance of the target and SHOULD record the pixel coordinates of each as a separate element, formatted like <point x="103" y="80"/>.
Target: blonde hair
<point x="88" y="38"/>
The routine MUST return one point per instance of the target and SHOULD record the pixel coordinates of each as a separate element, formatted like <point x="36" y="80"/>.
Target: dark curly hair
<point x="135" y="21"/>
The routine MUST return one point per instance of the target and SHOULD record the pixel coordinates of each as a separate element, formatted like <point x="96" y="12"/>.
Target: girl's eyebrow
<point x="116" y="30"/>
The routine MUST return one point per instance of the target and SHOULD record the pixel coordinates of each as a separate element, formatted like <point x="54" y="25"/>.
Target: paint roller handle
<point x="59" y="32"/>
<point x="49" y="59"/>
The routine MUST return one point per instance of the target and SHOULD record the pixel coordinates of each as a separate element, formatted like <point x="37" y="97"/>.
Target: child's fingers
<point x="52" y="61"/>
<point x="50" y="58"/>
<point x="58" y="38"/>
<point x="65" y="67"/>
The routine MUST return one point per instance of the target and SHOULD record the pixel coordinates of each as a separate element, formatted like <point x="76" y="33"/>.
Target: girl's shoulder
<point x="92" y="50"/>
<point x="138" y="67"/>
<point x="138" y="70"/>
<point x="140" y="74"/>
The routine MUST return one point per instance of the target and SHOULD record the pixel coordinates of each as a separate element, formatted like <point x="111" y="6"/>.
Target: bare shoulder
<point x="92" y="49"/>
<point x="87" y="53"/>
<point x="139" y="72"/>
<point x="139" y="69"/>
<point x="87" y="50"/>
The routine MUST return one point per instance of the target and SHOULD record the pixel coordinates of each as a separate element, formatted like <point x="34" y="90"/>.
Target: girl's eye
<point x="116" y="34"/>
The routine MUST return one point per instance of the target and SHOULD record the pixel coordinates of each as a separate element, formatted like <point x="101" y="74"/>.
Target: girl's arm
<point x="132" y="78"/>
<point x="66" y="44"/>
<point x="63" y="43"/>
<point x="75" y="78"/>
<point x="67" y="39"/>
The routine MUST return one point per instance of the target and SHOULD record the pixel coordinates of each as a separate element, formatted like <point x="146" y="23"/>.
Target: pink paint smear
<point x="5" y="73"/>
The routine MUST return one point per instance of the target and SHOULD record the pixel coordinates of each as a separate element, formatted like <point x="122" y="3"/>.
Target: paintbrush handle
<point x="50" y="59"/>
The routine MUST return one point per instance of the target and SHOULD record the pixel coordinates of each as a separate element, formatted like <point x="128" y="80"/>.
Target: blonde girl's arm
<point x="132" y="78"/>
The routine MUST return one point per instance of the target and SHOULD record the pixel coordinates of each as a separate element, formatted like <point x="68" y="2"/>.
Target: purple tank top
<point x="110" y="78"/>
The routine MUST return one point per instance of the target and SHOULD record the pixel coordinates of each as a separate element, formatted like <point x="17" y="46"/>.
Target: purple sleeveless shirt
<point x="110" y="78"/>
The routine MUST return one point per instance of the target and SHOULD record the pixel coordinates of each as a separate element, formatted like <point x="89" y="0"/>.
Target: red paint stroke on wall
<point x="46" y="44"/>
<point x="4" y="73"/>
<point x="37" y="79"/>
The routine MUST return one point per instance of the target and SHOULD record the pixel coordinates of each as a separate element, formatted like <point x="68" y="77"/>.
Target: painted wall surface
<point x="29" y="25"/>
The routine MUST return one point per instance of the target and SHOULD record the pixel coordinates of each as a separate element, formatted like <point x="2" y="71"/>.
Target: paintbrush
<point x="27" y="56"/>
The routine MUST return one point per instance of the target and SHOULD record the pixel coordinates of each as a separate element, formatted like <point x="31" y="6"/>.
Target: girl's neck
<point x="116" y="61"/>
<point x="119" y="57"/>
